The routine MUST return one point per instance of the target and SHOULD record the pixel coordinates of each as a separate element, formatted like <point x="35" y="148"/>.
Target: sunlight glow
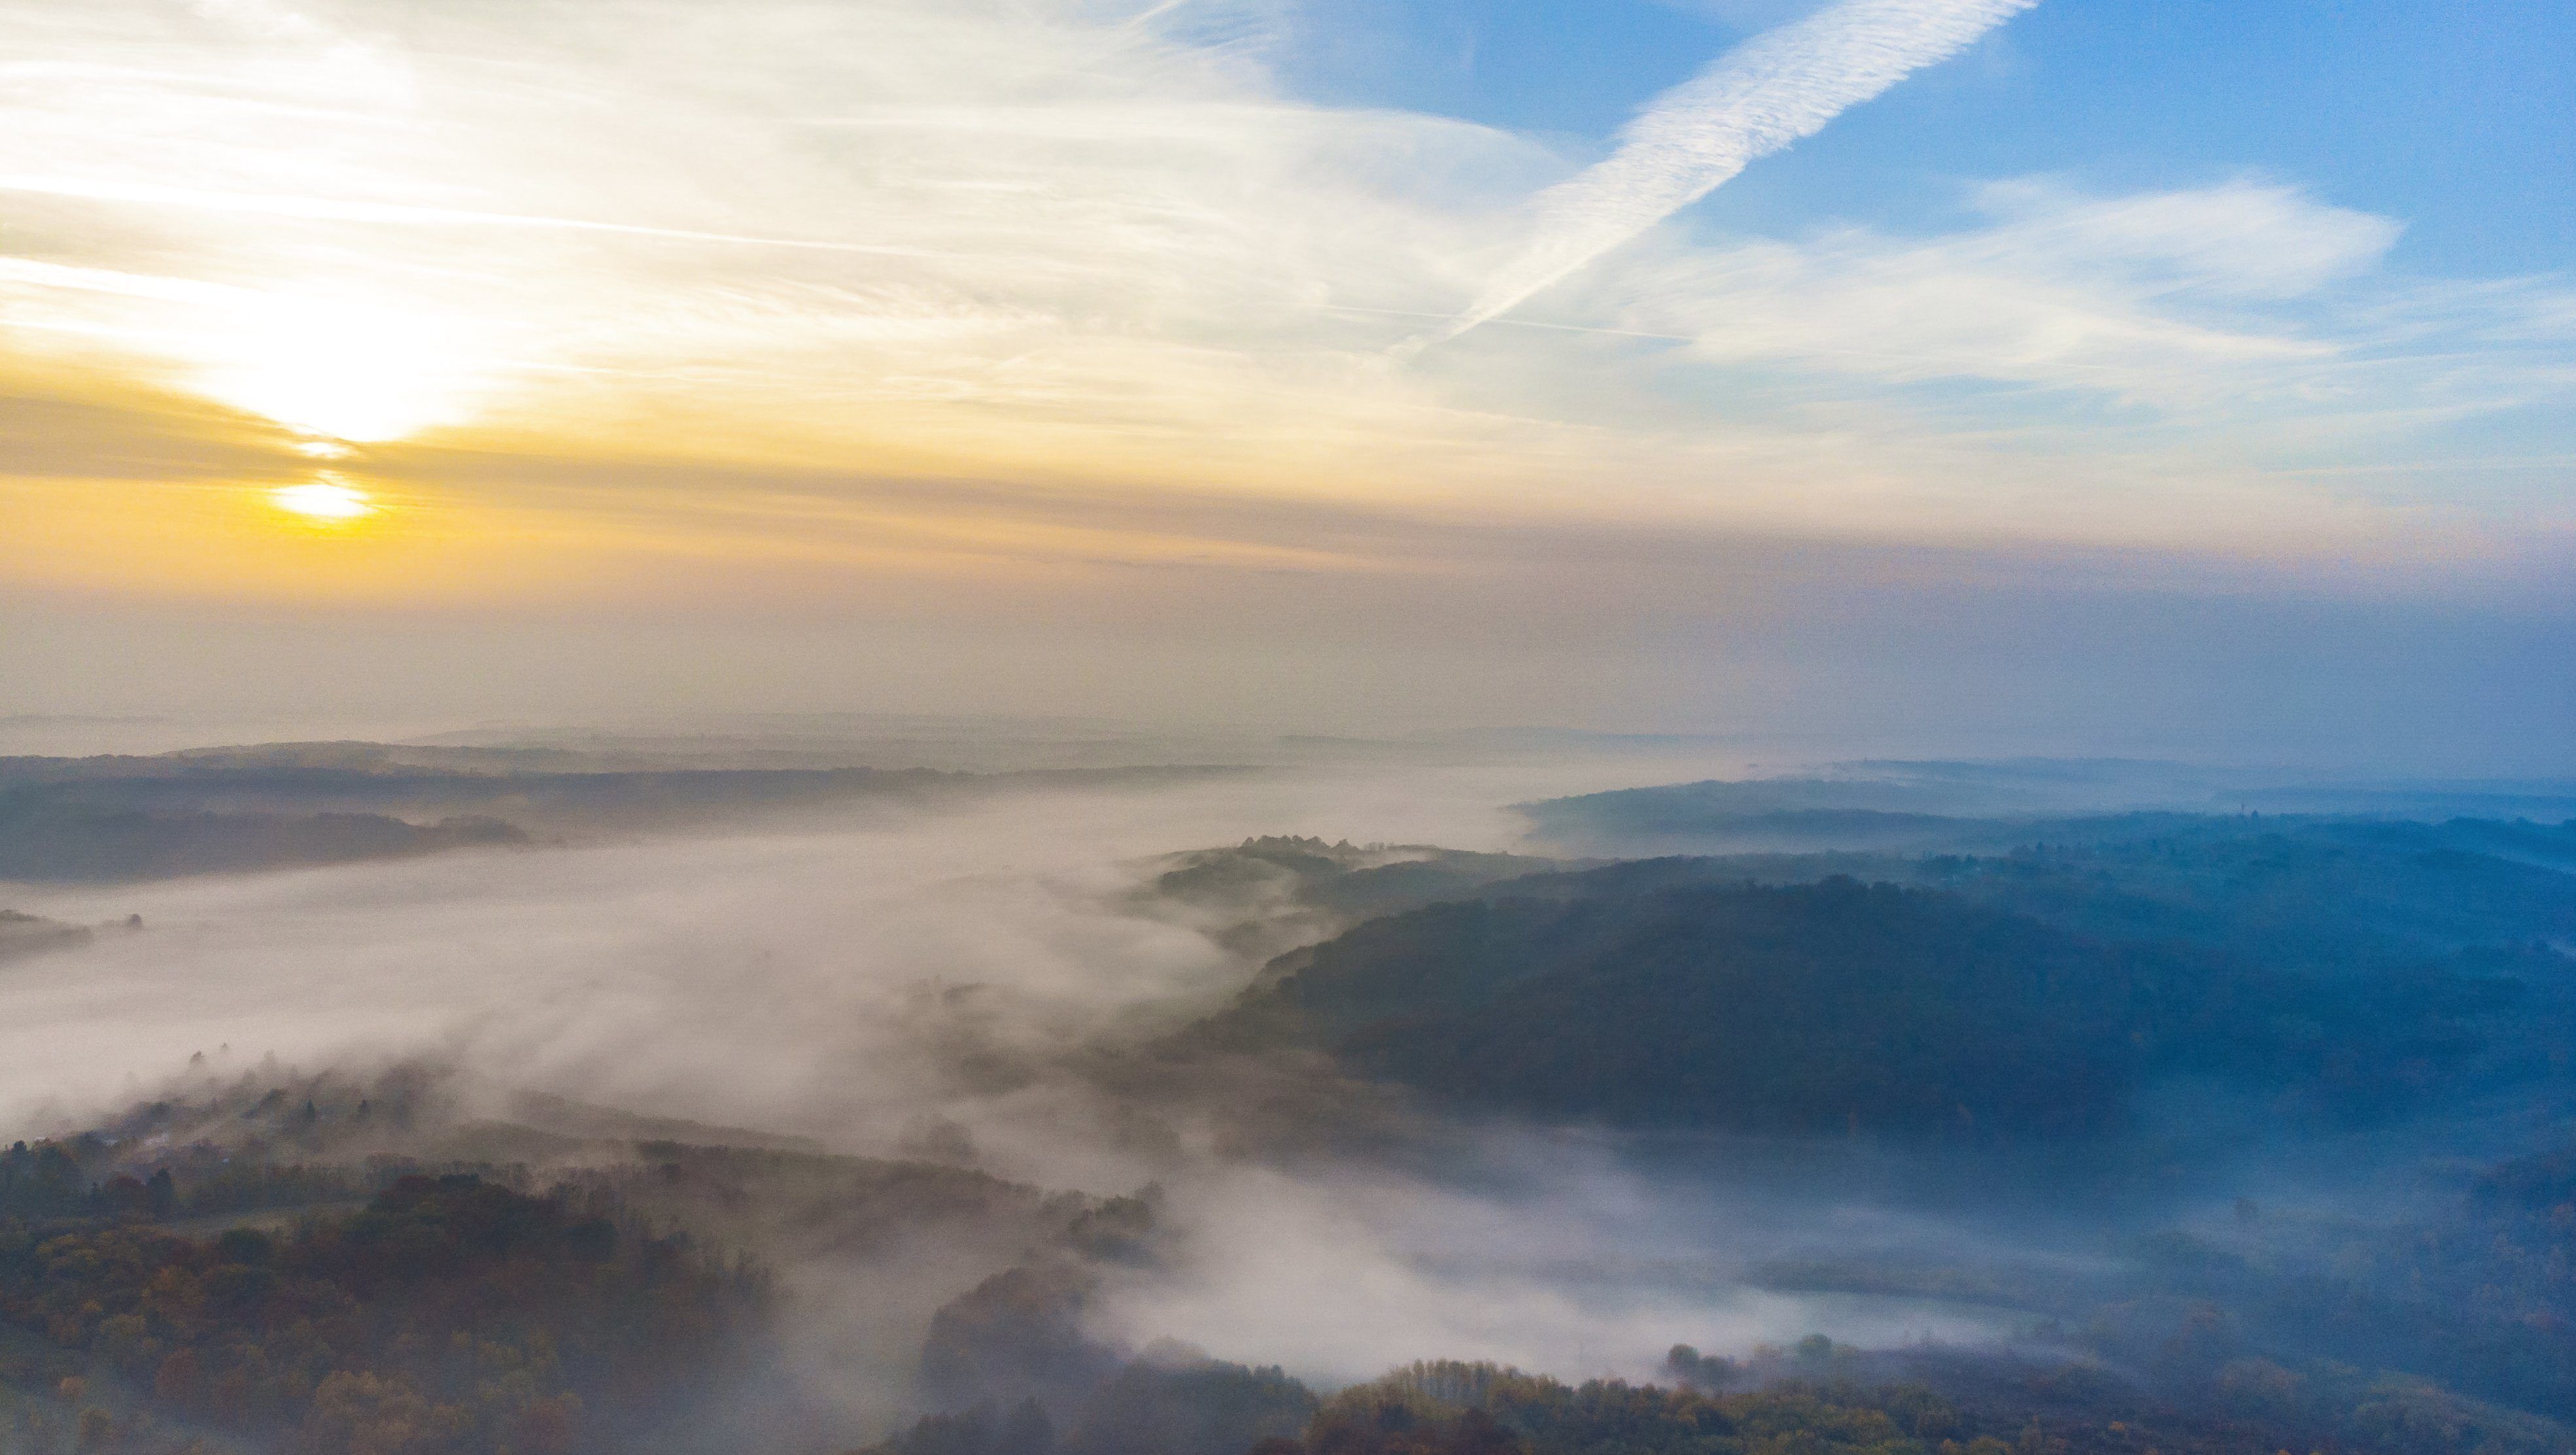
<point x="323" y="500"/>
<point x="338" y="368"/>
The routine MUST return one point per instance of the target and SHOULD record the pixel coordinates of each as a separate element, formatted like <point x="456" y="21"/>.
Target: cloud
<point x="1759" y="98"/>
<point x="2168" y="298"/>
<point x="2242" y="340"/>
<point x="1099" y="258"/>
<point x="2241" y="239"/>
<point x="323" y="209"/>
<point x="819" y="229"/>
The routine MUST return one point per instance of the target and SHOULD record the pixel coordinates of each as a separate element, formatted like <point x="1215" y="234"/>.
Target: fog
<point x="1569" y="1261"/>
<point x="989" y="981"/>
<point x="863" y="976"/>
<point x="781" y="979"/>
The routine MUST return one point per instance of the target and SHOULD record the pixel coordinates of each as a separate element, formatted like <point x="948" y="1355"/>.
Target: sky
<point x="1968" y="375"/>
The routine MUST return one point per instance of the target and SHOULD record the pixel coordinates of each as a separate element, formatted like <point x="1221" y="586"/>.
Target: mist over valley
<point x="1167" y="1108"/>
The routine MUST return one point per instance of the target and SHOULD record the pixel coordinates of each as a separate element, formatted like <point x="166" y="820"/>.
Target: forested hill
<point x="2328" y="894"/>
<point x="1924" y="807"/>
<point x="107" y="819"/>
<point x="2033" y="995"/>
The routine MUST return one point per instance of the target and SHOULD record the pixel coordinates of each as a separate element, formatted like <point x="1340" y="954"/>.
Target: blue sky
<point x="2459" y="119"/>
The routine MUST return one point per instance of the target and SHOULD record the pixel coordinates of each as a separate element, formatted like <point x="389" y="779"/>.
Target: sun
<point x="339" y="368"/>
<point x="323" y="501"/>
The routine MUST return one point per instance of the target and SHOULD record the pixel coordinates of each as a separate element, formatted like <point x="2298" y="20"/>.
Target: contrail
<point x="1757" y="99"/>
<point x="1151" y="14"/>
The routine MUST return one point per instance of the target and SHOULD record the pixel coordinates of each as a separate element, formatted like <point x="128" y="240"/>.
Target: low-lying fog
<point x="780" y="979"/>
<point x="907" y="975"/>
<point x="981" y="979"/>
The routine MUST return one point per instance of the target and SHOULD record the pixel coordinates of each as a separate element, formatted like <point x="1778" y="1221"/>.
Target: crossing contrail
<point x="1757" y="99"/>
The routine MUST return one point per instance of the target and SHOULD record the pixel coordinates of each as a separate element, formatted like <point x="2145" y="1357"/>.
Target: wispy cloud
<point x="2244" y="321"/>
<point x="2170" y="299"/>
<point x="325" y="209"/>
<point x="1774" y="90"/>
